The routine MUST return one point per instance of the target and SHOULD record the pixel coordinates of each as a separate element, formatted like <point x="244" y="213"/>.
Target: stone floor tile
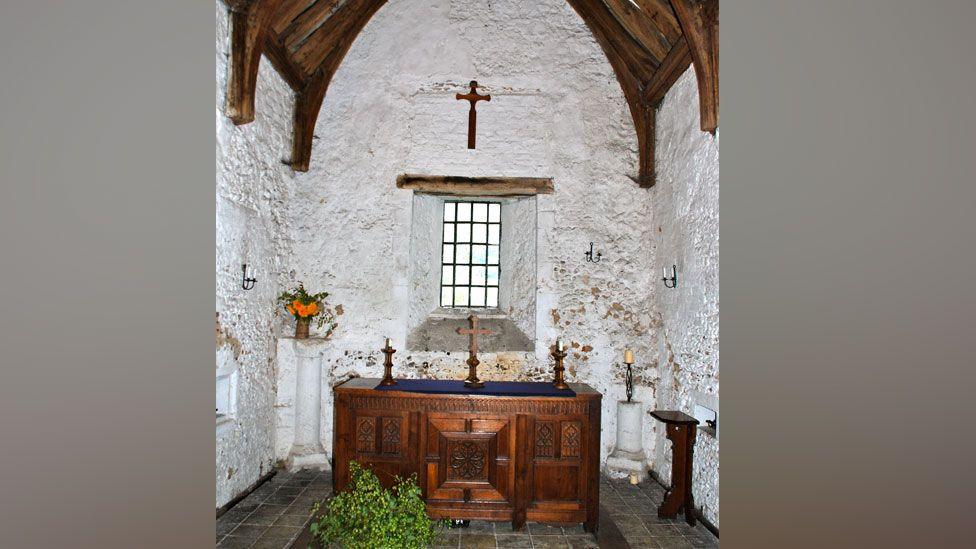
<point x="538" y="528"/>
<point x="702" y="540"/>
<point x="281" y="499"/>
<point x="478" y="527"/>
<point x="299" y="508"/>
<point x="224" y="528"/>
<point x="663" y="530"/>
<point x="674" y="543"/>
<point x="233" y="516"/>
<point x="291" y="520"/>
<point x="252" y="531"/>
<point x="289" y="491"/>
<point x="628" y="520"/>
<point x="282" y="531"/>
<point x="271" y="543"/>
<point x="550" y="542"/>
<point x="652" y="518"/>
<point x="642" y="542"/>
<point x="477" y="541"/>
<point x="234" y="542"/>
<point x="513" y="540"/>
<point x="261" y="519"/>
<point x="582" y="541"/>
<point x="574" y="530"/>
<point x="446" y="538"/>
<point x="266" y="510"/>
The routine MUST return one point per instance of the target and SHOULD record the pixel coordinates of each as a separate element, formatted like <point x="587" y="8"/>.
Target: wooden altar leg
<point x="523" y="432"/>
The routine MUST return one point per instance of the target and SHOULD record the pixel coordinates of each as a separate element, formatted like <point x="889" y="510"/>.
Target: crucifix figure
<point x="473" y="97"/>
<point x="473" y="381"/>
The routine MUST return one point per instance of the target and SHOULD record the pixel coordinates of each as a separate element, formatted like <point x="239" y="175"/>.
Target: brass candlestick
<point x="559" y="354"/>
<point x="388" y="365"/>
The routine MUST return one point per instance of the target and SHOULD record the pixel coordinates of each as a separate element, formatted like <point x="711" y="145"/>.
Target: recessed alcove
<point x="432" y="322"/>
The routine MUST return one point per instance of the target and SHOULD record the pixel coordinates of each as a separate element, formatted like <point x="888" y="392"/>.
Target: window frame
<point x="469" y="264"/>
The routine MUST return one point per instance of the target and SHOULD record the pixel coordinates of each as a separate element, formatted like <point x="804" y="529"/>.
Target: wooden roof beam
<point x="631" y="83"/>
<point x="699" y="21"/>
<point x="661" y="13"/>
<point x="344" y="25"/>
<point x="673" y="66"/>
<point x="289" y="71"/>
<point x="640" y="26"/>
<point x="250" y="22"/>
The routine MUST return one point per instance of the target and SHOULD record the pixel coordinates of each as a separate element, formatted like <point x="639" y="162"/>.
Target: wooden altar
<point x="500" y="458"/>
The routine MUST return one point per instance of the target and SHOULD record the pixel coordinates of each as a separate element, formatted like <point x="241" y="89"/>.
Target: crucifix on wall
<point x="473" y="97"/>
<point x="473" y="381"/>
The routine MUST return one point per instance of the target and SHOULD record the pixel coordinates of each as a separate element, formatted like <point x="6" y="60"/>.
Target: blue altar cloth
<point x="491" y="388"/>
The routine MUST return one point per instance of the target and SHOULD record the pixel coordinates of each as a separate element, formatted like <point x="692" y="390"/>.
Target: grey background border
<point x="847" y="272"/>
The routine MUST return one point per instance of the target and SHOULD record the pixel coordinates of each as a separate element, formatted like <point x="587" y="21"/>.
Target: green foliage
<point x="370" y="517"/>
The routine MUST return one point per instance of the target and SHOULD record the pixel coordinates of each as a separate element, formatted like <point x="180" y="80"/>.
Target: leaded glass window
<point x="469" y="254"/>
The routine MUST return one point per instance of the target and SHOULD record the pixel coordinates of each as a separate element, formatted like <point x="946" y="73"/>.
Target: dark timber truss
<point x="649" y="44"/>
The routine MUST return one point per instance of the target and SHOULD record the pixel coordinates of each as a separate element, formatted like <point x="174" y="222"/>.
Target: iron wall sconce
<point x="247" y="283"/>
<point x="591" y="257"/>
<point x="673" y="279"/>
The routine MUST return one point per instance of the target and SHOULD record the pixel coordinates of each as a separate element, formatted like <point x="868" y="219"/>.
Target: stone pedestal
<point x="307" y="451"/>
<point x="628" y="454"/>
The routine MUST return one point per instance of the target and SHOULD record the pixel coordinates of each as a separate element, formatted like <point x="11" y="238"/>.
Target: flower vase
<point x="301" y="327"/>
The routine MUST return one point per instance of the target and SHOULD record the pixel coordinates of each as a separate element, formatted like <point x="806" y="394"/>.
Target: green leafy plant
<point x="302" y="304"/>
<point x="371" y="517"/>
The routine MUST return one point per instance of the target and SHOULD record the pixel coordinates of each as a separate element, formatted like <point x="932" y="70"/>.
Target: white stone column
<point x="307" y="451"/>
<point x="628" y="453"/>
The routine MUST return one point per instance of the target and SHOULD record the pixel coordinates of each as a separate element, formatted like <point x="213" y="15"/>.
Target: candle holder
<point x="559" y="382"/>
<point x="671" y="277"/>
<point x="388" y="366"/>
<point x="629" y="381"/>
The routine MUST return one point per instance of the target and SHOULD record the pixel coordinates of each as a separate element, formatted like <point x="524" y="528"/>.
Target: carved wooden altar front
<point x="477" y="457"/>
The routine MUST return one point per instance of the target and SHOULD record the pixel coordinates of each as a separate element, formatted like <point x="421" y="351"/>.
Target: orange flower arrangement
<point x="303" y="305"/>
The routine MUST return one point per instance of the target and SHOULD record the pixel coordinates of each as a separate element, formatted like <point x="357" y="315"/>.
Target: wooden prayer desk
<point x="681" y="430"/>
<point x="477" y="456"/>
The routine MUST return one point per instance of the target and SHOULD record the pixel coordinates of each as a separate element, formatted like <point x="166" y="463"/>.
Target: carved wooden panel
<point x="495" y="405"/>
<point x="544" y="438"/>
<point x="366" y="434"/>
<point x="476" y="457"/>
<point x="570" y="438"/>
<point x="467" y="460"/>
<point x="391" y="435"/>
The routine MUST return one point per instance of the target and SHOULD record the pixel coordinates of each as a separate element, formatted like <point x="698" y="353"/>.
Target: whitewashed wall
<point x="556" y="110"/>
<point x="251" y="182"/>
<point x="686" y="209"/>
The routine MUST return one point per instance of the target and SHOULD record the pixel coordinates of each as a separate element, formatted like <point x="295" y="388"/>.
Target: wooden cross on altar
<point x="473" y="381"/>
<point x="473" y="97"/>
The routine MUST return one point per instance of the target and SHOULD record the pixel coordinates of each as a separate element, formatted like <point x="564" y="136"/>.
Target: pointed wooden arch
<point x="649" y="44"/>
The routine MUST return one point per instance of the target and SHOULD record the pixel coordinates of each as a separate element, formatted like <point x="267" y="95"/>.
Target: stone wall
<point x="686" y="219"/>
<point x="251" y="182"/>
<point x="556" y="111"/>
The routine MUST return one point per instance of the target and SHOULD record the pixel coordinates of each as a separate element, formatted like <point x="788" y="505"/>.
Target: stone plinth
<point x="307" y="451"/>
<point x="628" y="454"/>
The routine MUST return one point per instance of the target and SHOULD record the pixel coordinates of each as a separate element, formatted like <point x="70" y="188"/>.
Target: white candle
<point x="389" y="344"/>
<point x="559" y="344"/>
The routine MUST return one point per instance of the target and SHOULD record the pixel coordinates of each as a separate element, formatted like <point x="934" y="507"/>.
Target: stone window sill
<point x="438" y="333"/>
